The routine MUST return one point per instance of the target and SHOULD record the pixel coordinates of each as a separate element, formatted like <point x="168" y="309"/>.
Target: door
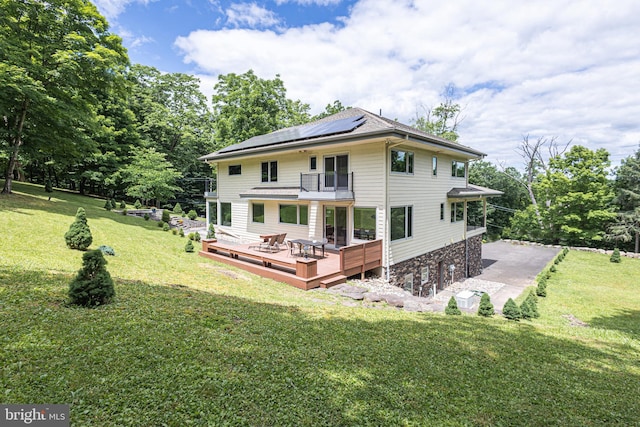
<point x="336" y="172"/>
<point x="335" y="225"/>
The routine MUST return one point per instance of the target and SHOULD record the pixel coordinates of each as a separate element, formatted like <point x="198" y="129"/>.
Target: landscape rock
<point x="394" y="300"/>
<point x="417" y="305"/>
<point x="353" y="295"/>
<point x="372" y="296"/>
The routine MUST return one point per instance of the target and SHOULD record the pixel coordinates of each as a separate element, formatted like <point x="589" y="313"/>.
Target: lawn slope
<point x="232" y="349"/>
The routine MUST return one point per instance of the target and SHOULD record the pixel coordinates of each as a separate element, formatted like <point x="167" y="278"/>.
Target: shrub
<point x="93" y="285"/>
<point x="192" y="215"/>
<point x="113" y="203"/>
<point x="557" y="260"/>
<point x="486" y="308"/>
<point x="189" y="246"/>
<point x="174" y="232"/>
<point x="79" y="235"/>
<point x="511" y="310"/>
<point x="533" y="303"/>
<point x="166" y="216"/>
<point x="197" y="237"/>
<point x="525" y="310"/>
<point x="107" y="250"/>
<point x="181" y="233"/>
<point x="191" y="236"/>
<point x="452" y="307"/>
<point x="165" y="226"/>
<point x="541" y="289"/>
<point x="107" y="204"/>
<point x="553" y="269"/>
<point x="211" y="232"/>
<point x="123" y="205"/>
<point x="124" y="211"/>
<point x="615" y="256"/>
<point x="137" y="204"/>
<point x="146" y="217"/>
<point x="177" y="209"/>
<point x="161" y="223"/>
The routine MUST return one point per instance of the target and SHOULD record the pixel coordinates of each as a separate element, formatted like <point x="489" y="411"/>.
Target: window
<point x="401" y="161"/>
<point x="294" y="214"/>
<point x="434" y="165"/>
<point x="425" y="275"/>
<point x="269" y="171"/>
<point x="458" y="169"/>
<point x="225" y="214"/>
<point x="408" y="282"/>
<point x="441" y="211"/>
<point x="401" y="222"/>
<point x="457" y="211"/>
<point x="235" y="169"/>
<point x="258" y="212"/>
<point x="313" y="163"/>
<point x="364" y="223"/>
<point x="213" y="213"/>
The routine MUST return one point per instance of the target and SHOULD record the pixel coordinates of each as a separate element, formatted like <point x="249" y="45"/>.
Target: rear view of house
<point x="356" y="177"/>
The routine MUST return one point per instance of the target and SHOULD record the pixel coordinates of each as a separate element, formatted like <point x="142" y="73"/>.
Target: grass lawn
<point x="191" y="342"/>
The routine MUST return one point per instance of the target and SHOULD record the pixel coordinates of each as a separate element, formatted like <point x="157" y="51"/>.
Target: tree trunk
<point x="16" y="142"/>
<point x="637" y="241"/>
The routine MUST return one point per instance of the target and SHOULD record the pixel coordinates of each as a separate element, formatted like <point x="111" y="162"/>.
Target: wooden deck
<point x="294" y="270"/>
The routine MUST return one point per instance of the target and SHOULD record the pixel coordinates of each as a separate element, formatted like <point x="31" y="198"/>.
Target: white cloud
<point x="251" y="15"/>
<point x="112" y="8"/>
<point x="310" y="2"/>
<point x="566" y="68"/>
<point x="139" y="41"/>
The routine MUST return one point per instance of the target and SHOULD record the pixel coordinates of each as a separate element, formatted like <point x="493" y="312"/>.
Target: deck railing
<point x="361" y="257"/>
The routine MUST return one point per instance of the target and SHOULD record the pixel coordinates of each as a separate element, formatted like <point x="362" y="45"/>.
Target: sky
<point x="564" y="69"/>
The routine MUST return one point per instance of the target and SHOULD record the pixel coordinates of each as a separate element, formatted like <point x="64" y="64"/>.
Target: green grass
<point x="191" y="342"/>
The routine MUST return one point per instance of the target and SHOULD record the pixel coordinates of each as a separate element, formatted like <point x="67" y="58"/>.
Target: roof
<point x="472" y="191"/>
<point x="350" y="124"/>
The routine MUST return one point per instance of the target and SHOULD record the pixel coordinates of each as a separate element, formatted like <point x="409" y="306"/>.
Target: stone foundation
<point x="439" y="262"/>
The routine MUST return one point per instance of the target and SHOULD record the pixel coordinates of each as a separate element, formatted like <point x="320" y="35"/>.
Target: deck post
<point x="306" y="268"/>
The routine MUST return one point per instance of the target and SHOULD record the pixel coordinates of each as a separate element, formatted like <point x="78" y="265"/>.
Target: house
<point x="354" y="177"/>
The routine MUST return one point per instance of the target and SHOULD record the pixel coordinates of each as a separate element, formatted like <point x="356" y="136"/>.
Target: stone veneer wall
<point x="450" y="254"/>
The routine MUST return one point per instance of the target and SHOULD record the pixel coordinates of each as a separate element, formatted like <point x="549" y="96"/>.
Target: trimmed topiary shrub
<point x="192" y="215"/>
<point x="211" y="232"/>
<point x="165" y="226"/>
<point x="452" y="307"/>
<point x="146" y="217"/>
<point x="93" y="285"/>
<point x="166" y="216"/>
<point x="137" y="204"/>
<point x="511" y="310"/>
<point x="615" y="256"/>
<point x="79" y="235"/>
<point x="533" y="303"/>
<point x="189" y="246"/>
<point x="107" y="250"/>
<point x="486" y="308"/>
<point x="177" y="209"/>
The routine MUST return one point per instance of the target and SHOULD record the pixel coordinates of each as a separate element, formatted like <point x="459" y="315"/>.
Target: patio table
<point x="312" y="243"/>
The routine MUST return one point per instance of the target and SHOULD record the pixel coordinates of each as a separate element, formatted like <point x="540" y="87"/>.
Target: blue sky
<point x="545" y="68"/>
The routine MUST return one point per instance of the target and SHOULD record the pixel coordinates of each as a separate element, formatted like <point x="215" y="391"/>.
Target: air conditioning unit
<point x="465" y="299"/>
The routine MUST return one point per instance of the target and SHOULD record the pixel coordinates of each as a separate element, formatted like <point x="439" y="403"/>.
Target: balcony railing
<point x="211" y="187"/>
<point x="326" y="182"/>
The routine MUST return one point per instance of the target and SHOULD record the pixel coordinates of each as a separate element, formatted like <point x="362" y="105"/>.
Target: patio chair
<point x="270" y="246"/>
<point x="293" y="247"/>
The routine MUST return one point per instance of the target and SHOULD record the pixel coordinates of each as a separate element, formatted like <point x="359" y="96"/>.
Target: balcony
<point x="211" y="188"/>
<point x="326" y="186"/>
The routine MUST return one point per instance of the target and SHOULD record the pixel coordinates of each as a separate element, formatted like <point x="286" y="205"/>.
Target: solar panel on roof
<point x="299" y="133"/>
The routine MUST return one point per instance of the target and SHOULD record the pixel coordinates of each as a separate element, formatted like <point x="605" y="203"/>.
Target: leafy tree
<point x="486" y="308"/>
<point x="443" y="120"/>
<point x="55" y="57"/>
<point x="330" y="110"/>
<point x="93" y="284"/>
<point x="79" y="235"/>
<point x="150" y="177"/>
<point x="626" y="228"/>
<point x="245" y="105"/>
<point x="577" y="199"/>
<point x="452" y="307"/>
<point x="511" y="310"/>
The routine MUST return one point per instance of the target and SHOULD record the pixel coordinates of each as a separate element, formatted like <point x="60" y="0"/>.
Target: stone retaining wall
<point x="454" y="254"/>
<point x="575" y="248"/>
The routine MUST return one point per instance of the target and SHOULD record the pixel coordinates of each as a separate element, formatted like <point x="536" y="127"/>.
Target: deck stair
<point x="333" y="281"/>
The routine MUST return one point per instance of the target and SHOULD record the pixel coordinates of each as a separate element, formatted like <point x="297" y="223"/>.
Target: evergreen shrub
<point x="174" y="232"/>
<point x="123" y="205"/>
<point x="177" y="209"/>
<point x="166" y="216"/>
<point x="189" y="246"/>
<point x="146" y="217"/>
<point x="525" y="310"/>
<point x="165" y="226"/>
<point x="93" y="285"/>
<point x="452" y="307"/>
<point x="161" y="224"/>
<point x="181" y="232"/>
<point x="486" y="308"/>
<point x="533" y="303"/>
<point x="211" y="232"/>
<point x="192" y="215"/>
<point x="107" y="204"/>
<point x="511" y="310"/>
<point x="615" y="256"/>
<point x="124" y="212"/>
<point x="553" y="268"/>
<point x="79" y="235"/>
<point x="137" y="204"/>
<point x="541" y="289"/>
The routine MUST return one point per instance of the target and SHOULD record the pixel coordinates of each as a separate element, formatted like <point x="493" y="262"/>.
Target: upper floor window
<point x="401" y="222"/>
<point x="458" y="169"/>
<point x="401" y="161"/>
<point x="269" y="171"/>
<point x="434" y="165"/>
<point x="235" y="169"/>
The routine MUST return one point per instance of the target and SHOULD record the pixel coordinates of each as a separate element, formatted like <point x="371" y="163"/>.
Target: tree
<point x="330" y="110"/>
<point x="55" y="56"/>
<point x="443" y="120"/>
<point x="615" y="256"/>
<point x="79" y="235"/>
<point x="577" y="200"/>
<point x="150" y="177"/>
<point x="452" y="307"/>
<point x="627" y="188"/>
<point x="93" y="284"/>
<point x="48" y="188"/>
<point x="245" y="105"/>
<point x="485" y="308"/>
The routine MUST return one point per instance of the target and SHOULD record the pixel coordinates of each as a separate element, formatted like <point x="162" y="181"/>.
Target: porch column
<point x="315" y="220"/>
